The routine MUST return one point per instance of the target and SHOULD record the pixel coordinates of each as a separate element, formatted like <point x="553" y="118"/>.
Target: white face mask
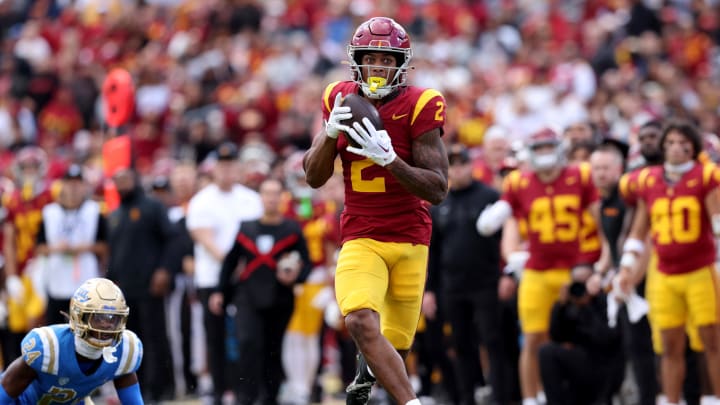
<point x="545" y="161"/>
<point x="682" y="168"/>
<point x="87" y="350"/>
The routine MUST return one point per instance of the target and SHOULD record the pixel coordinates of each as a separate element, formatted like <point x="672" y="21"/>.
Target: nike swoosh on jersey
<point x="397" y="117"/>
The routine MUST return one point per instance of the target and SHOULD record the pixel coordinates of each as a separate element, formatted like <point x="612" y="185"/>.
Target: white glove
<point x="333" y="316"/>
<point x="493" y="217"/>
<point x="516" y="262"/>
<point x="338" y="113"/>
<point x="374" y="144"/>
<point x="291" y="261"/>
<point x="325" y="297"/>
<point x="14" y="287"/>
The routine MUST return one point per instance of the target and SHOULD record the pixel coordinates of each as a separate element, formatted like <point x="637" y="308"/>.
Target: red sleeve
<point x="428" y="114"/>
<point x="640" y="186"/>
<point x="711" y="178"/>
<point x="589" y="192"/>
<point x="509" y="191"/>
<point x="329" y="99"/>
<point x="9" y="203"/>
<point x="628" y="188"/>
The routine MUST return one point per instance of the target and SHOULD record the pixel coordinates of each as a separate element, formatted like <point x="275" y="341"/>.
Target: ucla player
<point x="65" y="363"/>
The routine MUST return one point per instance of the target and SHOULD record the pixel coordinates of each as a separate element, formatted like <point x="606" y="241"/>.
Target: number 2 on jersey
<point x="57" y="394"/>
<point x="675" y="221"/>
<point x="373" y="185"/>
<point x="555" y="219"/>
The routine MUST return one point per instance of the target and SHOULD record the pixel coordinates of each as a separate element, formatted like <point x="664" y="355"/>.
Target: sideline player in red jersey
<point x="24" y="213"/>
<point x="677" y="203"/>
<point x="550" y="199"/>
<point x="385" y="227"/>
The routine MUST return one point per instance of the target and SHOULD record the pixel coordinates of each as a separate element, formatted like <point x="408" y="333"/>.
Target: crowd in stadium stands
<point x="252" y="72"/>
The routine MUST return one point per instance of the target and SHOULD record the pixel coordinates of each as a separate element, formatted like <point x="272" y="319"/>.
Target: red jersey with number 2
<point x="377" y="206"/>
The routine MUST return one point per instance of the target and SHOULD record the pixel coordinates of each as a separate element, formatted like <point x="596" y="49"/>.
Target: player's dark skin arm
<point x="125" y="381"/>
<point x="319" y="160"/>
<point x="18" y="377"/>
<point x="428" y="179"/>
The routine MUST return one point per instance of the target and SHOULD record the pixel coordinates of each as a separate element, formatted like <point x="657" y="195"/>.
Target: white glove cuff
<point x="516" y="261"/>
<point x="389" y="158"/>
<point x="634" y="245"/>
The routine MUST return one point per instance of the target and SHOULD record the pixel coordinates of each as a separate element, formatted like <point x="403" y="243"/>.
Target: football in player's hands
<point x="361" y="108"/>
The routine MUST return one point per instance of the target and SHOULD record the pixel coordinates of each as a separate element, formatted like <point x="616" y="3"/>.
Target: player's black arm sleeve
<point x="227" y="270"/>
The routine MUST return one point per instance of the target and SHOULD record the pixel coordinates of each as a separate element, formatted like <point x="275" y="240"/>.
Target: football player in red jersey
<point x="550" y="199"/>
<point x="677" y="204"/>
<point x="385" y="226"/>
<point x="641" y="351"/>
<point x="24" y="213"/>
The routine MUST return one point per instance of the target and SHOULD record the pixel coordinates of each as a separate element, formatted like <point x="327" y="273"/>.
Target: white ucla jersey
<point x="50" y="351"/>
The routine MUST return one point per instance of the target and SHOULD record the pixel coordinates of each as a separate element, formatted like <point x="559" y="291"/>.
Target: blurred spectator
<point x="139" y="238"/>
<point x="580" y="152"/>
<point x="182" y="300"/>
<point x="579" y="133"/>
<point x="466" y="283"/>
<point x="495" y="149"/>
<point x="277" y="258"/>
<point x="73" y="238"/>
<point x="214" y="216"/>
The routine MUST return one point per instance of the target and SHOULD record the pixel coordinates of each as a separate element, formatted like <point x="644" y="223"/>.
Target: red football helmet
<point x="380" y="34"/>
<point x="31" y="156"/>
<point x="544" y="137"/>
<point x="295" y="176"/>
<point x="29" y="169"/>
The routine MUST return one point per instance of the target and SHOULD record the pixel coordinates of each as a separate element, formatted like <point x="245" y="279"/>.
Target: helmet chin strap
<point x="543" y="162"/>
<point x="87" y="350"/>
